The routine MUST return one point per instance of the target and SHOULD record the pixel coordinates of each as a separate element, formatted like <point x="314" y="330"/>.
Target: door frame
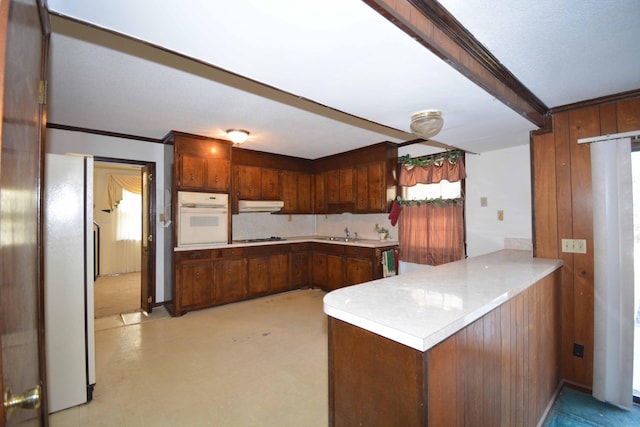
<point x="150" y="266"/>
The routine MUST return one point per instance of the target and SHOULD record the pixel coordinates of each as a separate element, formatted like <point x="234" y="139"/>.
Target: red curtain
<point x="431" y="235"/>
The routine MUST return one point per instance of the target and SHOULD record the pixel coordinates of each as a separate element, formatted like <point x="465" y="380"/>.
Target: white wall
<point x="504" y="178"/>
<point x="61" y="142"/>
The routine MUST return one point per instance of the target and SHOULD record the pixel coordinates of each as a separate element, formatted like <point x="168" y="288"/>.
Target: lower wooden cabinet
<point x="206" y="278"/>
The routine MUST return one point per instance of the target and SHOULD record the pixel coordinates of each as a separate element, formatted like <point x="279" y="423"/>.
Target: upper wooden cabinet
<point x="357" y="181"/>
<point x="296" y="192"/>
<point x="370" y="188"/>
<point x="200" y="164"/>
<point x="265" y="176"/>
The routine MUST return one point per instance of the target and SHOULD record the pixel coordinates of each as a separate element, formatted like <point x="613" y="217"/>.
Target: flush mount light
<point x="237" y="136"/>
<point x="427" y="123"/>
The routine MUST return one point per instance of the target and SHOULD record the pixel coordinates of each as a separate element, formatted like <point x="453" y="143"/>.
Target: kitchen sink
<point x="339" y="239"/>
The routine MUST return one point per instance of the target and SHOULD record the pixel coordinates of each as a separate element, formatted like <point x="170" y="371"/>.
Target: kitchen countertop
<point x="422" y="308"/>
<point x="299" y="239"/>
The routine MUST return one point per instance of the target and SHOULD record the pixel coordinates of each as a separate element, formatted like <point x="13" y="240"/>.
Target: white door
<point x="68" y="239"/>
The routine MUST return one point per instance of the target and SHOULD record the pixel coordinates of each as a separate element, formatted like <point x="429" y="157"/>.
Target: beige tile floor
<point x="256" y="363"/>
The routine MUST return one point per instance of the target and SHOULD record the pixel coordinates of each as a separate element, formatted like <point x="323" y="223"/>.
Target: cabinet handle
<point x="192" y="177"/>
<point x="217" y="179"/>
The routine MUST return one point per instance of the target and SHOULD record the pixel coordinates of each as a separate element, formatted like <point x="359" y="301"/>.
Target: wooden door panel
<point x="21" y="290"/>
<point x="148" y="246"/>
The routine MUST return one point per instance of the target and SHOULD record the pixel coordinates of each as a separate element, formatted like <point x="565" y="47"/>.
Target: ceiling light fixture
<point x="238" y="136"/>
<point x="427" y="123"/>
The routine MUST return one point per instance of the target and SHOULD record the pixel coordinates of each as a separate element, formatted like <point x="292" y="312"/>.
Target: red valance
<point x="431" y="174"/>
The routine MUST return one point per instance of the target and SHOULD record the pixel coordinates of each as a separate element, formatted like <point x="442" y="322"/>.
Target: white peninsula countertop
<point x="422" y="308"/>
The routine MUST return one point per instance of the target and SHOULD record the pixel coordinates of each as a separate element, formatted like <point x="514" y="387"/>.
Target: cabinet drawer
<point x="359" y="251"/>
<point x="195" y="255"/>
<point x="300" y="247"/>
<point x="231" y="253"/>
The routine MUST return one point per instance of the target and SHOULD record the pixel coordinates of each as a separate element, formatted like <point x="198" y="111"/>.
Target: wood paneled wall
<point x="562" y="209"/>
<point x="502" y="369"/>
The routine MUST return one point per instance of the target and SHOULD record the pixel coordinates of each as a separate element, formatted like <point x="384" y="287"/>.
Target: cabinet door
<point x="357" y="271"/>
<point x="259" y="276"/>
<point x="248" y="182"/>
<point x="218" y="175"/>
<point x="192" y="170"/>
<point x="270" y="184"/>
<point x="196" y="288"/>
<point x="362" y="188"/>
<point x="319" y="270"/>
<point x="299" y="269"/>
<point x="279" y="272"/>
<point x="376" y="189"/>
<point x="335" y="272"/>
<point x="304" y="193"/>
<point x="333" y="186"/>
<point x="346" y="185"/>
<point x="320" y="202"/>
<point x="290" y="191"/>
<point x="230" y="280"/>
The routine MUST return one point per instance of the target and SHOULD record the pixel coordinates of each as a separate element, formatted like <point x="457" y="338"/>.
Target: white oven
<point x="203" y="218"/>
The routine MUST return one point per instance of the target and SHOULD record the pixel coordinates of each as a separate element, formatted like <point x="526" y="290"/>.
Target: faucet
<point x="346" y="230"/>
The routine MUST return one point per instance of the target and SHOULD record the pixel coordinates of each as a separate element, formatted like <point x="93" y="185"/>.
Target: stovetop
<point x="263" y="239"/>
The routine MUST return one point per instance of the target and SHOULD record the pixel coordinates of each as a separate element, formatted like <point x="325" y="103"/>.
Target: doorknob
<point x="29" y="399"/>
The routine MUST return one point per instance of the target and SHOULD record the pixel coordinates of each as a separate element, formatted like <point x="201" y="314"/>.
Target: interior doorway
<point x="123" y="230"/>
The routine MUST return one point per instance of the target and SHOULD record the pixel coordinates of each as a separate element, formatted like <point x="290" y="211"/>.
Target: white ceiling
<point x="350" y="77"/>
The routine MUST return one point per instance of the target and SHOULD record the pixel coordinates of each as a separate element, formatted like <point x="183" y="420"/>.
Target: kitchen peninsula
<point x="474" y="342"/>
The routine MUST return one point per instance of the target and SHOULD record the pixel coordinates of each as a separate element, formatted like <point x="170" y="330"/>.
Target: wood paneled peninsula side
<point x="474" y="342"/>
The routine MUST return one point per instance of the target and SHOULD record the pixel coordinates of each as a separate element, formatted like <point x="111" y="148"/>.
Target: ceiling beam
<point x="434" y="27"/>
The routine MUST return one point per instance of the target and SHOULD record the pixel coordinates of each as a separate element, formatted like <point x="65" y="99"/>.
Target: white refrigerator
<point x="68" y="281"/>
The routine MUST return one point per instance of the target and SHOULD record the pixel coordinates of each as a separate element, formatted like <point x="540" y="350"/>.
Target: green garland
<point x="430" y="202"/>
<point x="434" y="159"/>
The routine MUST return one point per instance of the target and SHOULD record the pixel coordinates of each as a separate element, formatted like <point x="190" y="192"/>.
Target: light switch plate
<point x="574" y="246"/>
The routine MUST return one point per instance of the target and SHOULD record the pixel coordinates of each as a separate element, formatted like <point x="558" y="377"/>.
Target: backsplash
<point x="262" y="224"/>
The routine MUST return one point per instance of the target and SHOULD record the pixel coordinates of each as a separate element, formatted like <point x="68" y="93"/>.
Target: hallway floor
<point x="255" y="363"/>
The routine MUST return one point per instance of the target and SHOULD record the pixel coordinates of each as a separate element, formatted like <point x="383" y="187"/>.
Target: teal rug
<point x="573" y="408"/>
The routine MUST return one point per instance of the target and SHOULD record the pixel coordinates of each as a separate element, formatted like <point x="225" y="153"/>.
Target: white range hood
<point x="260" y="205"/>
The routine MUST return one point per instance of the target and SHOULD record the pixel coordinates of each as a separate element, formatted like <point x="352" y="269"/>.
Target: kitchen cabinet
<point x="357" y="181"/>
<point x="320" y="193"/>
<point x="299" y="265"/>
<point x="328" y="266"/>
<point x="358" y="265"/>
<point x="200" y="164"/>
<point x="205" y="278"/>
<point x="296" y="192"/>
<point x="194" y="285"/>
<point x="333" y="186"/>
<point x="346" y="185"/>
<point x="230" y="280"/>
<point x="268" y="269"/>
<point x="247" y="181"/>
<point x="335" y="266"/>
<point x="270" y="184"/>
<point x="370" y="188"/>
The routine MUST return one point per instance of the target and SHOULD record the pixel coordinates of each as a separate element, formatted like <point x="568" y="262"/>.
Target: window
<point x="441" y="190"/>
<point x="129" y="217"/>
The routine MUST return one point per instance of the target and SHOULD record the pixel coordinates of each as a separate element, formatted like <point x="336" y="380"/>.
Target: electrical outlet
<point x="578" y="350"/>
<point x="500" y="215"/>
<point x="483" y="202"/>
